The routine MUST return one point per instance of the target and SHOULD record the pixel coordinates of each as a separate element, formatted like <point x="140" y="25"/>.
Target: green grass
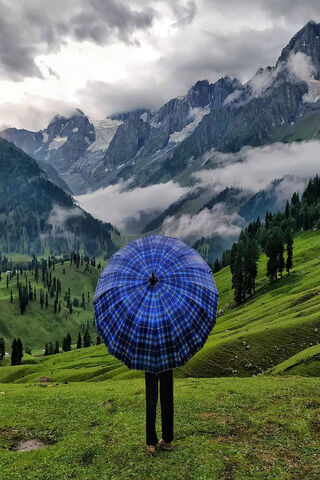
<point x="306" y="363"/>
<point x="280" y="320"/>
<point x="85" y="364"/>
<point x="257" y="428"/>
<point x="91" y="416"/>
<point x="38" y="326"/>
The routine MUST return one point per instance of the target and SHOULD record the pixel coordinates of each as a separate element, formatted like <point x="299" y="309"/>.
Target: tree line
<point x="274" y="237"/>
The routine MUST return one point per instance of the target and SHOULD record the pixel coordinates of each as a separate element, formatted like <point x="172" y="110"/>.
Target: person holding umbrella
<point x="155" y="305"/>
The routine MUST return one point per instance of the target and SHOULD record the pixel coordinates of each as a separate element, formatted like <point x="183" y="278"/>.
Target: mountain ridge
<point x="35" y="213"/>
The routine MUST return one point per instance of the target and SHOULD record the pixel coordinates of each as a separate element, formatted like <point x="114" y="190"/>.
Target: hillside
<point x="36" y="215"/>
<point x="37" y="325"/>
<point x="279" y="321"/>
<point x="305" y="363"/>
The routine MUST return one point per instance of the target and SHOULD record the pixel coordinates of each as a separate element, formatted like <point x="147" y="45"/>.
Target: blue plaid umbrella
<point x="155" y="303"/>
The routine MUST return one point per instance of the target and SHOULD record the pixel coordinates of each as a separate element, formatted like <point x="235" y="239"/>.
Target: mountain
<point x="188" y="136"/>
<point x="36" y="214"/>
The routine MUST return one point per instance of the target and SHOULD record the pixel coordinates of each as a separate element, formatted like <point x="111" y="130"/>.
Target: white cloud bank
<point x="253" y="169"/>
<point x="206" y="223"/>
<point x="116" y="205"/>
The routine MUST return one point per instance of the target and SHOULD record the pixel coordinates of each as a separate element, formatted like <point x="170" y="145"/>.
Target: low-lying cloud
<point x="59" y="215"/>
<point x="206" y="223"/>
<point x="253" y="169"/>
<point x="119" y="206"/>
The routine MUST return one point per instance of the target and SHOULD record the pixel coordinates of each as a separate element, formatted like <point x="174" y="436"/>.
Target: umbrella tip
<point x="153" y="280"/>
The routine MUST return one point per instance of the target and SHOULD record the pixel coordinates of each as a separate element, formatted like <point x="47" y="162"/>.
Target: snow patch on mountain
<point x="313" y="94"/>
<point x="105" y="130"/>
<point x="144" y="116"/>
<point x="57" y="142"/>
<point x="196" y="114"/>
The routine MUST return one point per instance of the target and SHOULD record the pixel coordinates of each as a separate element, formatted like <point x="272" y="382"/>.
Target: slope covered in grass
<point x="79" y="365"/>
<point x="305" y="363"/>
<point x="38" y="326"/>
<point x="280" y="320"/>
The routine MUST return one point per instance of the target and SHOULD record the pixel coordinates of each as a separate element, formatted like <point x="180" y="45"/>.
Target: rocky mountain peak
<point x="306" y="41"/>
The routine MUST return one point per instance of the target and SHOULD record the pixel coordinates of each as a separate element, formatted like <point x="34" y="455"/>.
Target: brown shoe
<point x="151" y="449"/>
<point x="165" y="445"/>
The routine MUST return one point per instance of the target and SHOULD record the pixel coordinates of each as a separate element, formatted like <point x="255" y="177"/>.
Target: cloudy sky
<point x="106" y="56"/>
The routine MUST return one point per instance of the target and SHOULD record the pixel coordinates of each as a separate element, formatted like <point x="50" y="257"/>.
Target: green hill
<point x="37" y="325"/>
<point x="279" y="321"/>
<point x="306" y="363"/>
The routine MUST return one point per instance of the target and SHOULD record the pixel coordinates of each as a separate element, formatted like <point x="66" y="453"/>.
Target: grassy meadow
<point x="225" y="428"/>
<point x="38" y="326"/>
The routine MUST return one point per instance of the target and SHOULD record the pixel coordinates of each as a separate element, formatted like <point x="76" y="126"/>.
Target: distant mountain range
<point x="37" y="216"/>
<point x="184" y="137"/>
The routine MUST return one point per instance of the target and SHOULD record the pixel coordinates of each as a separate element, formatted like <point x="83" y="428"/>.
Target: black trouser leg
<point x="166" y="399"/>
<point x="151" y="381"/>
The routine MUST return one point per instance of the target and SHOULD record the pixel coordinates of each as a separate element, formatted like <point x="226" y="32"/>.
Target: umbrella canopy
<point x="155" y="303"/>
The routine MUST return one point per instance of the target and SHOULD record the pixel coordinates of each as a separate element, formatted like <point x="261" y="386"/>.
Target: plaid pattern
<point x="155" y="327"/>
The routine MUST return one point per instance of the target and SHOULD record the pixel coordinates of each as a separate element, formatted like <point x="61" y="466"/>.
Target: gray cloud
<point x="253" y="169"/>
<point x="206" y="223"/>
<point x="35" y="112"/>
<point x="31" y="28"/>
<point x="210" y="39"/>
<point x="125" y="205"/>
<point x="254" y="37"/>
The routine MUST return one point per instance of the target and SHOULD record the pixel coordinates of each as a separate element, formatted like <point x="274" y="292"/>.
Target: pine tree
<point x="216" y="266"/>
<point x="14" y="352"/>
<point x="280" y="259"/>
<point x="69" y="341"/>
<point x="65" y="345"/>
<point x="289" y="249"/>
<point x="251" y="265"/>
<point x="274" y="252"/>
<point x="56" y="349"/>
<point x="19" y="351"/>
<point x="50" y="348"/>
<point x="287" y="210"/>
<point x="238" y="276"/>
<point x="2" y="349"/>
<point x="79" y="342"/>
<point x="41" y="298"/>
<point x="87" y="338"/>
